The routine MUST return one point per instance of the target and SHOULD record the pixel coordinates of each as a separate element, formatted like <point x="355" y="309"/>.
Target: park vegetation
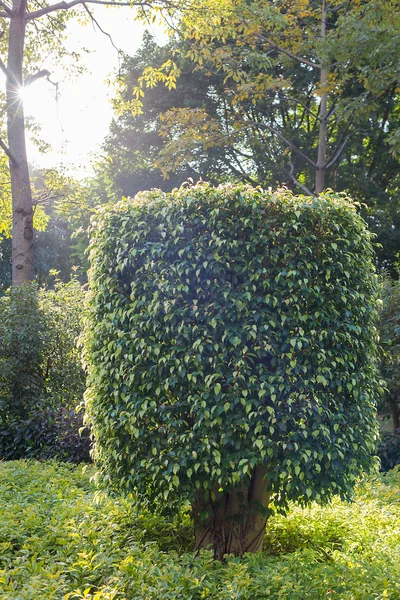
<point x="238" y="339"/>
<point x="41" y="378"/>
<point x="61" y="539"/>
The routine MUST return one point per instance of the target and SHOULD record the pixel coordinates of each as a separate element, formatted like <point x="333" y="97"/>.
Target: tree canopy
<point x="261" y="123"/>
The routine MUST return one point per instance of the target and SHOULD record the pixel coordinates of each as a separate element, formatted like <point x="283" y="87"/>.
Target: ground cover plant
<point x="60" y="539"/>
<point x="231" y="352"/>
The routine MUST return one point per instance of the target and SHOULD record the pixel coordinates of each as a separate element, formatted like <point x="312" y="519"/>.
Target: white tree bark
<point x="22" y="229"/>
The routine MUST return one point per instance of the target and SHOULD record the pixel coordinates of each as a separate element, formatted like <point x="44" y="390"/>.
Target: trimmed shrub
<point x="41" y="378"/>
<point x="231" y="350"/>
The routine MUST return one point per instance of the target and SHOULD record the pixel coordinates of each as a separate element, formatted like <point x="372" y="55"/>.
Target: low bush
<point x="41" y="378"/>
<point x="46" y="433"/>
<point x="389" y="450"/>
<point x="61" y="539"/>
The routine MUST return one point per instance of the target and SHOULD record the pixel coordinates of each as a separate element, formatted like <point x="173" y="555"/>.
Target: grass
<point x="60" y="539"/>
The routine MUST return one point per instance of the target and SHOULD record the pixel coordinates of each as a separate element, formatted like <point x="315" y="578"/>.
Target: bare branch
<point x="240" y="153"/>
<point x="287" y="142"/>
<point x="233" y="152"/>
<point x="255" y="124"/>
<point x="7" y="8"/>
<point x="332" y="111"/>
<point x="238" y="172"/>
<point x="299" y="59"/>
<point x="337" y="154"/>
<point x="31" y="78"/>
<point x="42" y="26"/>
<point x="296" y="181"/>
<point x="339" y="146"/>
<point x="67" y="5"/>
<point x="94" y="20"/>
<point x="6" y="149"/>
<point x="4" y="69"/>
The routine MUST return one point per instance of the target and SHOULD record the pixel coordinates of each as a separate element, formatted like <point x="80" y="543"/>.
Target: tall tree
<point x="29" y="27"/>
<point x="135" y="142"/>
<point x="255" y="112"/>
<point x="264" y="49"/>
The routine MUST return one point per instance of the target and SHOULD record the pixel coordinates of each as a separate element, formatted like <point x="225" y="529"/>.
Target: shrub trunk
<point x="234" y="522"/>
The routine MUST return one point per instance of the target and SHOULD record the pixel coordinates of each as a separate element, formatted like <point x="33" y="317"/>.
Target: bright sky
<point x="76" y="125"/>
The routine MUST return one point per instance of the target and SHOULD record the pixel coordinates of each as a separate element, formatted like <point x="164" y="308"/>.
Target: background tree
<point x="390" y="346"/>
<point x="262" y="48"/>
<point x="30" y="29"/>
<point x="135" y="142"/>
<point x="260" y="122"/>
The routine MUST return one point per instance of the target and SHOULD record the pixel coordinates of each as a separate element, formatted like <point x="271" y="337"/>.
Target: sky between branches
<point x="76" y="123"/>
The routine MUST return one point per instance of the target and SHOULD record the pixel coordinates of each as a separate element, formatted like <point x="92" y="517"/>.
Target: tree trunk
<point x="22" y="230"/>
<point x="235" y="521"/>
<point x="323" y="119"/>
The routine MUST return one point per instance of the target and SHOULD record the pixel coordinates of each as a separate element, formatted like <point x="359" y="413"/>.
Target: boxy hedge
<point x="231" y="336"/>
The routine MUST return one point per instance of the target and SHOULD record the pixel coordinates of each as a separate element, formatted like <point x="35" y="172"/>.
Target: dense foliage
<point x="231" y="328"/>
<point x="389" y="450"/>
<point x="389" y="332"/>
<point x="59" y="539"/>
<point x="41" y="379"/>
<point x="135" y="142"/>
<point x="248" y="97"/>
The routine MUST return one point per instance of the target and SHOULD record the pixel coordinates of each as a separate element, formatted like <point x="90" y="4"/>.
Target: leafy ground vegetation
<point x="60" y="539"/>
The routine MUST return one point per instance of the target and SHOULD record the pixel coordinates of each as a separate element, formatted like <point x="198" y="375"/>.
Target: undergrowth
<point x="60" y="539"/>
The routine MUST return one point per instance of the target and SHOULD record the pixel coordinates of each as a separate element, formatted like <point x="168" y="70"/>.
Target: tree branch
<point x="67" y="5"/>
<point x="255" y="124"/>
<point x="6" y="149"/>
<point x="296" y="181"/>
<point x="332" y="111"/>
<point x="238" y="172"/>
<point x="287" y="142"/>
<point x="4" y="69"/>
<point x="31" y="78"/>
<point x="94" y="20"/>
<point x="337" y="154"/>
<point x="339" y="146"/>
<point x="7" y="8"/>
<point x="299" y="59"/>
